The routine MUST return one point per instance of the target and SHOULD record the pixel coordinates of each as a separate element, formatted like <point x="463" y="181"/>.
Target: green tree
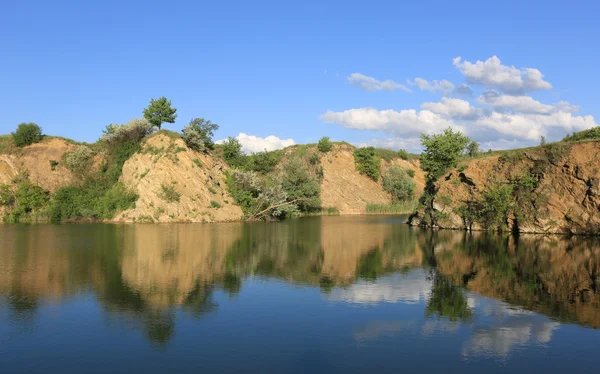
<point x="442" y="152"/>
<point x="232" y="152"/>
<point x="199" y="133"/>
<point x="473" y="149"/>
<point x="27" y="134"/>
<point x="300" y="185"/>
<point x="324" y="144"/>
<point x="160" y="111"/>
<point x="367" y="162"/>
<point x="399" y="184"/>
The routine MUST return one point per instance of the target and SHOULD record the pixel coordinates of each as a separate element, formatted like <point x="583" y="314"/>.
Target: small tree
<point x="27" y="134"/>
<point x="134" y="130"/>
<point x="198" y="134"/>
<point x="442" y="152"/>
<point x="324" y="144"/>
<point x="160" y="111"/>
<point x="473" y="149"/>
<point x="399" y="184"/>
<point x="232" y="152"/>
<point x="367" y="162"/>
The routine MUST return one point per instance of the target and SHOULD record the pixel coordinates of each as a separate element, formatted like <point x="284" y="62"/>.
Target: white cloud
<point x="533" y="126"/>
<point x="454" y="108"/>
<point x="463" y="90"/>
<point x="523" y="104"/>
<point x="252" y="144"/>
<point x="433" y="86"/>
<point x="508" y="79"/>
<point x="412" y="144"/>
<point x="563" y="106"/>
<point x="411" y="288"/>
<point x="372" y="84"/>
<point x="390" y="121"/>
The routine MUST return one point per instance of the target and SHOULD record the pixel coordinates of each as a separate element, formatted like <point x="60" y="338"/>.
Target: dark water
<point x="324" y="294"/>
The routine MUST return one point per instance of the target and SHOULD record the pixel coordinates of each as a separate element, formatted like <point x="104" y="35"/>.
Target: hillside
<point x="171" y="182"/>
<point x="546" y="189"/>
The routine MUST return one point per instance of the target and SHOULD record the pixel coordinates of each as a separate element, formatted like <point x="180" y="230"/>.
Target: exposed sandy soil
<point x="344" y="188"/>
<point x="198" y="178"/>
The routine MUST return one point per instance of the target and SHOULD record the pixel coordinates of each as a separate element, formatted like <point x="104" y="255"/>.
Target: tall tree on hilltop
<point x="160" y="111"/>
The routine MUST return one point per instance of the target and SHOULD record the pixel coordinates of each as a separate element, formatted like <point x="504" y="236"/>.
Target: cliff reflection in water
<point x="140" y="273"/>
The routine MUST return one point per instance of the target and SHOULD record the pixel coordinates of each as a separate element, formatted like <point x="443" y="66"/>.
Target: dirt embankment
<point x="565" y="199"/>
<point x="176" y="184"/>
<point x="345" y="189"/>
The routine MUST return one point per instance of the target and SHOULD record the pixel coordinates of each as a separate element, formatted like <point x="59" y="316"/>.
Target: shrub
<point x="324" y="144"/>
<point x="27" y="134"/>
<point x="264" y="162"/>
<point x="168" y="193"/>
<point x="53" y="164"/>
<point x="198" y="134"/>
<point x="366" y="162"/>
<point x="403" y="154"/>
<point x="7" y="197"/>
<point x="133" y="131"/>
<point x="300" y="185"/>
<point x="314" y="158"/>
<point x="397" y="182"/>
<point x="410" y="172"/>
<point x="79" y="160"/>
<point x="232" y="152"/>
<point x="496" y="202"/>
<point x="214" y="204"/>
<point x="591" y="134"/>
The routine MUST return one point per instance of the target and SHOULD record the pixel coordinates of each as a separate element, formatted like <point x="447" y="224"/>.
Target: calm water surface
<point x="323" y="294"/>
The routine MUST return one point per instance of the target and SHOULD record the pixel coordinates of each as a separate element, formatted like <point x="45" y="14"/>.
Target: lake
<point x="318" y="294"/>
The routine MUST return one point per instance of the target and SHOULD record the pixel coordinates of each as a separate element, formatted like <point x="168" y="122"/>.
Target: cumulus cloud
<point x="404" y="122"/>
<point x="533" y="126"/>
<point x="410" y="289"/>
<point x="252" y="144"/>
<point x="433" y="86"/>
<point x="522" y="103"/>
<point x="372" y="84"/>
<point x="411" y="144"/>
<point x="508" y="79"/>
<point x="453" y="108"/>
<point x="463" y="90"/>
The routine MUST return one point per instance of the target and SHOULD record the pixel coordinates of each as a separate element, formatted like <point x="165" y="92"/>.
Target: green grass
<point x="395" y="208"/>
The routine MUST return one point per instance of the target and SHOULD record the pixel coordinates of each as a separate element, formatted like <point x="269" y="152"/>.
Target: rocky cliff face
<point x="554" y="190"/>
<point x="347" y="190"/>
<point x="176" y="184"/>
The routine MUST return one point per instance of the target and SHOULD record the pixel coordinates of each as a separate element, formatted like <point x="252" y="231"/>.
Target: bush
<point x="324" y="144"/>
<point x="397" y="182"/>
<point x="403" y="154"/>
<point x="133" y="131"/>
<point x="496" y="203"/>
<point x="79" y="160"/>
<point x="232" y="152"/>
<point x="264" y="162"/>
<point x="7" y="197"/>
<point x="215" y="204"/>
<point x="168" y="193"/>
<point x="410" y="172"/>
<point x="27" y="134"/>
<point x="366" y="162"/>
<point x="300" y="185"/>
<point x="591" y="134"/>
<point x="198" y="134"/>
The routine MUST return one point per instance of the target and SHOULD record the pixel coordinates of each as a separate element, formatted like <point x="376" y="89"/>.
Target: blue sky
<point x="284" y="69"/>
